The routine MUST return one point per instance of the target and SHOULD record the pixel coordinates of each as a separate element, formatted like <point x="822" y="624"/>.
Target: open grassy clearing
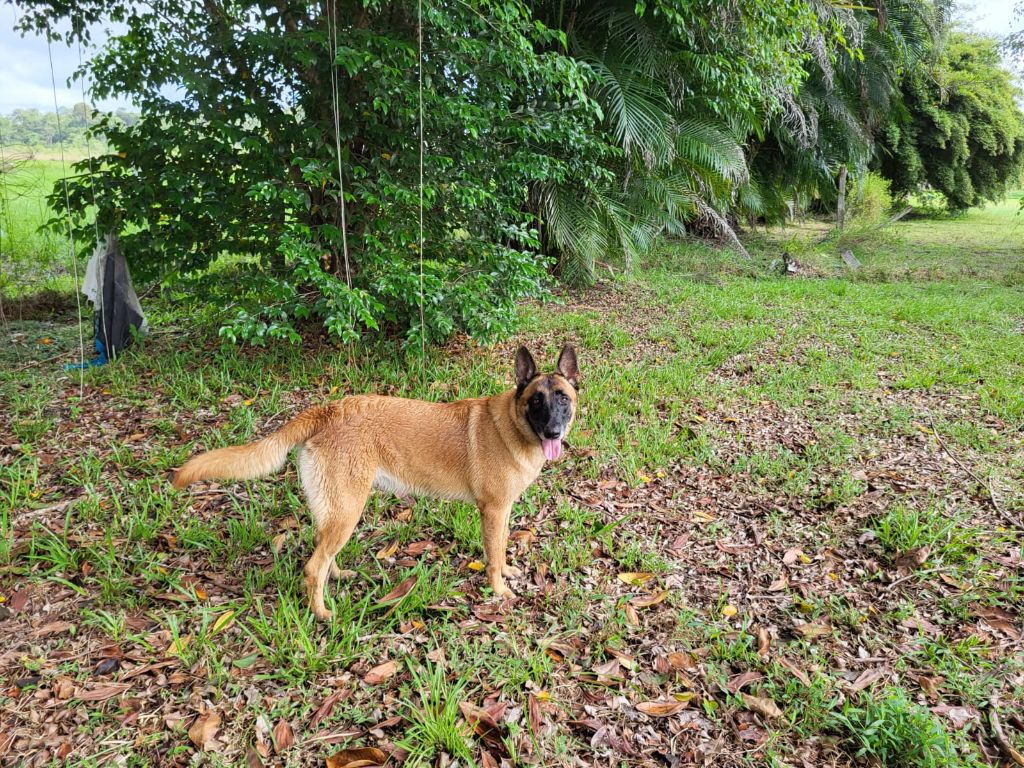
<point x="783" y="535"/>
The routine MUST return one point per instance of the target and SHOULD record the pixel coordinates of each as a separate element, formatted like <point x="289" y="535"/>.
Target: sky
<point x="25" y="67"/>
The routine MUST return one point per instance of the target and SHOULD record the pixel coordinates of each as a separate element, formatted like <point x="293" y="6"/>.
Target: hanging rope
<point x="423" y="327"/>
<point x="332" y="36"/>
<point x="71" y="235"/>
<point x="7" y="224"/>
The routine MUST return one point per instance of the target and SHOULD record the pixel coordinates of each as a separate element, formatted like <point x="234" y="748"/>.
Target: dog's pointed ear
<point x="526" y="369"/>
<point x="567" y="365"/>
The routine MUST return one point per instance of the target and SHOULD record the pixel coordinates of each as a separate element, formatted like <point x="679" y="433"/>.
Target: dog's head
<point x="547" y="402"/>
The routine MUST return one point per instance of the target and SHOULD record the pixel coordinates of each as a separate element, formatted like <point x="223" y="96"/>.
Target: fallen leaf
<point x="204" y="729"/>
<point x="63" y="687"/>
<point x="326" y="707"/>
<point x="485" y="726"/>
<point x="53" y="628"/>
<point x="779" y="584"/>
<point x="360" y="757"/>
<point x="635" y="579"/>
<point x="743" y="679"/>
<point x="632" y="617"/>
<point x="647" y="602"/>
<point x="867" y="678"/>
<point x="388" y="551"/>
<point x="284" y="736"/>
<point x="223" y="621"/>
<point x="958" y="716"/>
<point x="475" y="565"/>
<point x="764" y="642"/>
<point x="763" y="706"/>
<point x="107" y="667"/>
<point x="252" y="757"/>
<point x="380" y="673"/>
<point x="536" y="714"/>
<point x="399" y="591"/>
<point x="103" y="692"/>
<point x="680" y="660"/>
<point x="417" y="548"/>
<point x="178" y="645"/>
<point x="811" y="630"/>
<point x="662" y="708"/>
<point x="729" y="610"/>
<point x="277" y="543"/>
<point x="437" y="656"/>
<point x="798" y="673"/>
<point x="792" y="555"/>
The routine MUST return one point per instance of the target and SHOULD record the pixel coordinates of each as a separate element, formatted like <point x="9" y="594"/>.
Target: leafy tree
<point x="959" y="129"/>
<point x="244" y="159"/>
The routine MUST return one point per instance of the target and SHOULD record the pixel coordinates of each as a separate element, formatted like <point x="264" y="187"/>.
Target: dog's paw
<point x="322" y="614"/>
<point x="511" y="572"/>
<point x="502" y="590"/>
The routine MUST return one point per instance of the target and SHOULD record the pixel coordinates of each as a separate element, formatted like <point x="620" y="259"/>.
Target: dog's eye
<point x="563" y="398"/>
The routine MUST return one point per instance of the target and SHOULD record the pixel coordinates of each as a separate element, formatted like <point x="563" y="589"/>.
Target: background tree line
<point x="39" y="130"/>
<point x="557" y="136"/>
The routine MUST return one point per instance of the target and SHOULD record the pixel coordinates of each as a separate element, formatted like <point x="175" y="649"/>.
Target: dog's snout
<point x="552" y="434"/>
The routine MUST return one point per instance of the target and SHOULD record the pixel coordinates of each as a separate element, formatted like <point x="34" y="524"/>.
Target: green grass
<point x="758" y="416"/>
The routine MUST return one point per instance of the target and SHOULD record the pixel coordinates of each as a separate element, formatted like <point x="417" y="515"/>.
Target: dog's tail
<point x="245" y="462"/>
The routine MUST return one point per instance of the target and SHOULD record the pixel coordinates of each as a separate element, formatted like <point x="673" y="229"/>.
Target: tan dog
<point x="486" y="450"/>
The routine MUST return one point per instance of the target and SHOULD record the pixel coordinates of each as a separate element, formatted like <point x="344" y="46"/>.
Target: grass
<point x="767" y="449"/>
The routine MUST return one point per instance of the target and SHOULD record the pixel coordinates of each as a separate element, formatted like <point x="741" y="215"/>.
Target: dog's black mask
<point x="548" y="409"/>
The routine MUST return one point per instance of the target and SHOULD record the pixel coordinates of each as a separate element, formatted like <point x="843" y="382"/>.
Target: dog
<point x="484" y="450"/>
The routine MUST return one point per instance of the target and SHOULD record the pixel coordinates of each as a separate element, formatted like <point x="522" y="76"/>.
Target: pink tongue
<point x="552" y="449"/>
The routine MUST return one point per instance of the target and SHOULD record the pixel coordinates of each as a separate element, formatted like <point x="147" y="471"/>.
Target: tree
<point x="244" y="160"/>
<point x="960" y="130"/>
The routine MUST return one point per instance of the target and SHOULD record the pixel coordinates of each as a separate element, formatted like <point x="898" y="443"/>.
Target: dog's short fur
<point x="485" y="450"/>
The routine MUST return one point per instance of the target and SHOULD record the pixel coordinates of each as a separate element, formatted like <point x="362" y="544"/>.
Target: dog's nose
<point x="551" y="435"/>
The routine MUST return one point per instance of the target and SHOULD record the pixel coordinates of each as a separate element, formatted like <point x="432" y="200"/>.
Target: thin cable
<point x="5" y="201"/>
<point x="423" y="326"/>
<point x="332" y="36"/>
<point x="71" y="235"/>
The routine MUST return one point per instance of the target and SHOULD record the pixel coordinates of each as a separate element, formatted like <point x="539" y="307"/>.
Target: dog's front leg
<point x="494" y="522"/>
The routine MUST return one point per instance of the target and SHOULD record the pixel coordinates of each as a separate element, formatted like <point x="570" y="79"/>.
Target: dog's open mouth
<point x="552" y="448"/>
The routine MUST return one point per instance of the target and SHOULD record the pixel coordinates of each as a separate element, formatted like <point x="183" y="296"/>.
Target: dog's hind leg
<point x="336" y="496"/>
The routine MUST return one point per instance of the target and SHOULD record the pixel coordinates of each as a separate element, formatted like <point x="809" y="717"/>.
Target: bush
<point x="872" y="200"/>
<point x="897" y="733"/>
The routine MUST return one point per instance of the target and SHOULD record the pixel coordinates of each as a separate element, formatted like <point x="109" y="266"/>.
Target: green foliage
<point x="242" y="160"/>
<point x="959" y="129"/>
<point x="897" y="733"/>
<point x="872" y="199"/>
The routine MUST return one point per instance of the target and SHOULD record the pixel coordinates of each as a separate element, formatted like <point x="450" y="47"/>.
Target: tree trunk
<point x="841" y="202"/>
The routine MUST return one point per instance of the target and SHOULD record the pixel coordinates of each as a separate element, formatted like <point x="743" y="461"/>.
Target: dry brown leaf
<point x="743" y="679"/>
<point x="284" y="736"/>
<point x="103" y="692"/>
<point x="399" y="591"/>
<point x="485" y="726"/>
<point x="653" y="599"/>
<point x="763" y="706"/>
<point x="662" y="708"/>
<point x="632" y="617"/>
<point x="326" y="707"/>
<point x="277" y="543"/>
<point x="764" y="642"/>
<point x="867" y="678"/>
<point x="53" y="628"/>
<point x="252" y="757"/>
<point x="680" y="660"/>
<point x="792" y="555"/>
<point x="536" y="714"/>
<point x="203" y="731"/>
<point x="178" y="645"/>
<point x="63" y="687"/>
<point x="360" y="757"/>
<point x="779" y="584"/>
<point x="798" y="673"/>
<point x="811" y="630"/>
<point x="380" y="673"/>
<point x="223" y="621"/>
